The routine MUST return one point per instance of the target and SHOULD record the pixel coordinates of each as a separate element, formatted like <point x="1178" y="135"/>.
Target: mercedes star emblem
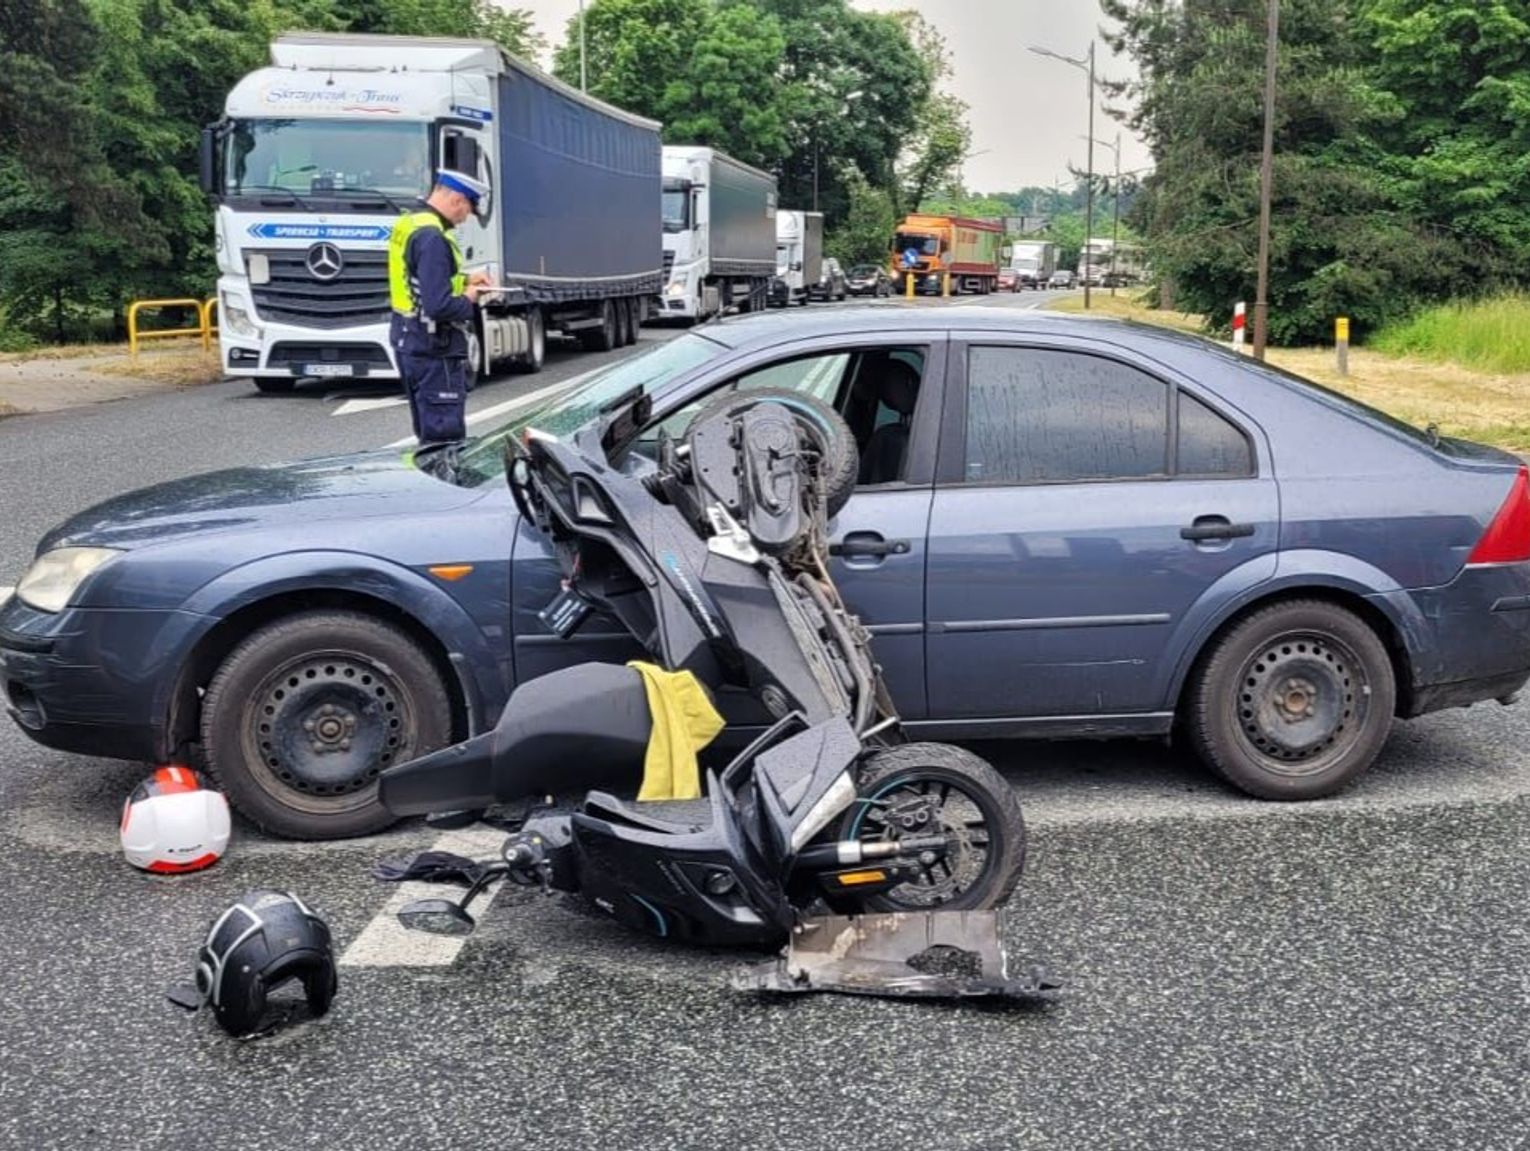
<point x="324" y="262"/>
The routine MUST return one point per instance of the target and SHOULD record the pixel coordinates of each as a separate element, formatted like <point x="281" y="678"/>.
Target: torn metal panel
<point x="931" y="954"/>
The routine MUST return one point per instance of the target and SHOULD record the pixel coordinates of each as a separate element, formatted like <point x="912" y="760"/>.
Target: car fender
<point x="477" y="666"/>
<point x="1302" y="570"/>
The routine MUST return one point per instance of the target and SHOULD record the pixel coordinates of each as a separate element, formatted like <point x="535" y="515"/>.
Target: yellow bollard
<point x="945" y="285"/>
<point x="908" y="285"/>
<point x="1341" y="343"/>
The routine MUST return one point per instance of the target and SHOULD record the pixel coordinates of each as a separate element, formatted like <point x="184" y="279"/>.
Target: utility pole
<point x="1266" y="178"/>
<point x="584" y="74"/>
<point x="1115" y="226"/>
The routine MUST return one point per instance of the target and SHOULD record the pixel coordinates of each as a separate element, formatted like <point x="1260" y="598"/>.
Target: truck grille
<point x="669" y="265"/>
<point x="358" y="295"/>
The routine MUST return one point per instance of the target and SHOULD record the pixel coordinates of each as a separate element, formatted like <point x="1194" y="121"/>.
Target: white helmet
<point x="173" y="823"/>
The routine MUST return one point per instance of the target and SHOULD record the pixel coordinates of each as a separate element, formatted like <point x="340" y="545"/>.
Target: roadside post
<point x="908" y="285"/>
<point x="945" y="284"/>
<point x="1341" y="343"/>
<point x="1240" y="324"/>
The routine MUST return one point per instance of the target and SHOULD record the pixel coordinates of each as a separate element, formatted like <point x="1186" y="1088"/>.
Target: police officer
<point x="433" y="303"/>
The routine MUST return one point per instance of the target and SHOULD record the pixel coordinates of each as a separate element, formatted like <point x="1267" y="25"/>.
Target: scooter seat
<point x="603" y="805"/>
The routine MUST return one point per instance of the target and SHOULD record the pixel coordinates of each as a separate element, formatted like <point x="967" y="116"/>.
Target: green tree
<point x="635" y="49"/>
<point x="865" y="235"/>
<point x="933" y="152"/>
<point x="1338" y="241"/>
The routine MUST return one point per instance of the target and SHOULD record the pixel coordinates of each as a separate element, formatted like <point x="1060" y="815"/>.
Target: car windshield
<point x="483" y="458"/>
<point x="304" y="157"/>
<point x="677" y="206"/>
<point x="864" y="270"/>
<point x="1345" y="403"/>
<point x="924" y="245"/>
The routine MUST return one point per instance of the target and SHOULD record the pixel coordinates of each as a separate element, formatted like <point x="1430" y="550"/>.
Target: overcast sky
<point x="1028" y="113"/>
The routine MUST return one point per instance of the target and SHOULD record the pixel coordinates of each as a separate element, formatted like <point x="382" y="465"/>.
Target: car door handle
<point x="866" y="545"/>
<point x="1215" y="528"/>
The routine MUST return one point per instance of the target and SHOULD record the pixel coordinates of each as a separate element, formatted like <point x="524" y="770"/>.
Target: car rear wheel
<point x="303" y="716"/>
<point x="1294" y="702"/>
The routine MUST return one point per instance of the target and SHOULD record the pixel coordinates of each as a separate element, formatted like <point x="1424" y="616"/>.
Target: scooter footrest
<point x="601" y="805"/>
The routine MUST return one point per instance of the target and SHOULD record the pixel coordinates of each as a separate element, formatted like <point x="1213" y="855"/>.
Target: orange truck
<point x="931" y="247"/>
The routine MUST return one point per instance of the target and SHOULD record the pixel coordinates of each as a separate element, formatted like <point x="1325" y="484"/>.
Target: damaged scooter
<point x="879" y="863"/>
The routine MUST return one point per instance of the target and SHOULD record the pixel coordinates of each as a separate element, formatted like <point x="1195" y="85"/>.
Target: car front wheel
<point x="306" y="713"/>
<point x="1294" y="701"/>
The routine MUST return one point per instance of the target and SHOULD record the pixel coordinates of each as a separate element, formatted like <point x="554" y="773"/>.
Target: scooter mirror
<point x="437" y="917"/>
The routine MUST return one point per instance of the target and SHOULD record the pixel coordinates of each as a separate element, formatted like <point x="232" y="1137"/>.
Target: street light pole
<point x="1266" y="179"/>
<point x="1115" y="224"/>
<point x="1084" y="65"/>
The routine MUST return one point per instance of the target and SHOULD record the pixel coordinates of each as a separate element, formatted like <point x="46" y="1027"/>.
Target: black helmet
<point x="261" y="942"/>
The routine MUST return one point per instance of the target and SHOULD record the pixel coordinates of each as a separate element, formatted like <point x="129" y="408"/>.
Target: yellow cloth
<point x="684" y="722"/>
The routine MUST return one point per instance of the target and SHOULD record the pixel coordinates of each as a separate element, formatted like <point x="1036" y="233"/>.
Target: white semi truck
<point x="799" y="256"/>
<point x="719" y="234"/>
<point x="318" y="154"/>
<point x="1033" y="261"/>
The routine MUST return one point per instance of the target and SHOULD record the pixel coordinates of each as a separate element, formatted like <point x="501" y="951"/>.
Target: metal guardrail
<point x="205" y="326"/>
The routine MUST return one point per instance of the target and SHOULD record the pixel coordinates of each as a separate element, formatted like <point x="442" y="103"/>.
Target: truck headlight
<point x="675" y="289"/>
<point x="238" y="321"/>
<point x="55" y="576"/>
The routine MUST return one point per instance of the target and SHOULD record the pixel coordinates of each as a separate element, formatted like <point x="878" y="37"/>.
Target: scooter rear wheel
<point x="921" y="789"/>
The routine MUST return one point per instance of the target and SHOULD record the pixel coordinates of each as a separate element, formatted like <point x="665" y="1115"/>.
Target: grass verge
<point x="1490" y="407"/>
<point x="1486" y="335"/>
<point x="184" y="368"/>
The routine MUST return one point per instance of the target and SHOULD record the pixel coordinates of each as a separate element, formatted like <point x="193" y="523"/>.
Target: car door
<point x="877" y="540"/>
<point x="1087" y="505"/>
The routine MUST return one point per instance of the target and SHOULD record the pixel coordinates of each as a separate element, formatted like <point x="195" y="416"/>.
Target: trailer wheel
<point x="530" y="362"/>
<point x="605" y="337"/>
<point x="630" y="322"/>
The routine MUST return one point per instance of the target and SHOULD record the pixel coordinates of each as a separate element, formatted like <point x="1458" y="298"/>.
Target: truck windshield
<point x="484" y="458"/>
<point x="924" y="245"/>
<point x="324" y="157"/>
<point x="677" y="207"/>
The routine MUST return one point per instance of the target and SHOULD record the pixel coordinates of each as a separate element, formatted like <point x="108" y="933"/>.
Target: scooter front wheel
<point x="924" y="789"/>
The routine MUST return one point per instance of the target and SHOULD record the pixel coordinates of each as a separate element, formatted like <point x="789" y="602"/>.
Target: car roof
<point x="763" y="329"/>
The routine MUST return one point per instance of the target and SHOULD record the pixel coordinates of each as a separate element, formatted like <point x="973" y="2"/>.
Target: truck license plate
<point x="329" y="369"/>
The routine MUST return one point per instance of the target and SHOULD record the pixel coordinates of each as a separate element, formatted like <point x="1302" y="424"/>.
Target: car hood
<point x="381" y="483"/>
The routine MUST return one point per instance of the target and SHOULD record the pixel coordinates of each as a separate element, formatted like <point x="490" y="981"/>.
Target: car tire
<point x="304" y="714"/>
<point x="1293" y="702"/>
<point x="275" y="387"/>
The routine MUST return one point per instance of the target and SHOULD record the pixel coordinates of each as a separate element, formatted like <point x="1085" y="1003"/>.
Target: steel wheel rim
<point x="1302" y="702"/>
<point x="322" y="726"/>
<point x="883" y="815"/>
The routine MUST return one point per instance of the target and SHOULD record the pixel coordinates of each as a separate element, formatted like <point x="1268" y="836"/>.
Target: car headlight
<point x="238" y="321"/>
<point x="54" y="577"/>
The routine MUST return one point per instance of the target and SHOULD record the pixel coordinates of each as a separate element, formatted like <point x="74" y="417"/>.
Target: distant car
<point x="1009" y="280"/>
<point x="1062" y="278"/>
<point x="1061" y="527"/>
<point x="868" y="280"/>
<point x="831" y="282"/>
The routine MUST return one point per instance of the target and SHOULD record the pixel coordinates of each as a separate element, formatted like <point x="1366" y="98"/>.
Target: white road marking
<point x="385" y="942"/>
<point x="510" y="405"/>
<point x="5" y="594"/>
<point x="351" y="407"/>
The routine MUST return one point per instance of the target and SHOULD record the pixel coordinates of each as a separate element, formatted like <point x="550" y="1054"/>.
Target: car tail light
<point x="1507" y="539"/>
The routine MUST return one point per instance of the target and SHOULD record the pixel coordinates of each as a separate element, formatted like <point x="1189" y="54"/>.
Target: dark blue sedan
<point x="1064" y="527"/>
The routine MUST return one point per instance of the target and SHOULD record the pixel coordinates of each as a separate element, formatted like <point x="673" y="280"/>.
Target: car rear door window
<point x="1042" y="416"/>
<point x="1210" y="445"/>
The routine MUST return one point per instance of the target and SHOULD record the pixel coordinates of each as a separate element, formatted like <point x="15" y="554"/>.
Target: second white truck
<point x="719" y="234"/>
<point x="799" y="256"/>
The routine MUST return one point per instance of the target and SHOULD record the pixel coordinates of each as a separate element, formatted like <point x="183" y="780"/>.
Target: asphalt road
<point x="1345" y="974"/>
